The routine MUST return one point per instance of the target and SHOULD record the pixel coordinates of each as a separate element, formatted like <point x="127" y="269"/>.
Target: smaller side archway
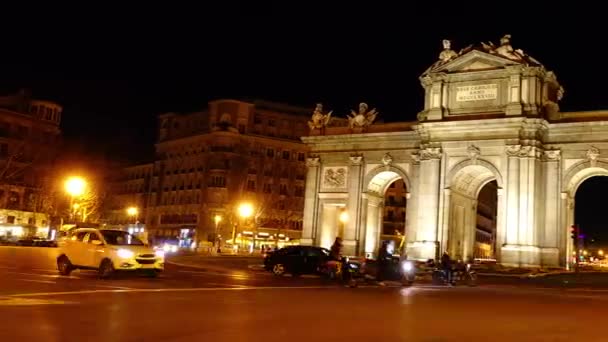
<point x="376" y="184"/>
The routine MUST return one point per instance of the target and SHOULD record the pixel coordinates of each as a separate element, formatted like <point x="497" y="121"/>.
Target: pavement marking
<point x="38" y="281"/>
<point x="10" y="301"/>
<point x="115" y="287"/>
<point x="190" y="289"/>
<point x="54" y="276"/>
<point x="241" y="276"/>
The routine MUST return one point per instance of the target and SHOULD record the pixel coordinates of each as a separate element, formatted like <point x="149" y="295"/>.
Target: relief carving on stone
<point x="513" y="150"/>
<point x="318" y="119"/>
<point x="430" y="153"/>
<point x="334" y="177"/>
<point x="363" y="118"/>
<point x="356" y="159"/>
<point x="592" y="154"/>
<point x="387" y="159"/>
<point x="312" y="161"/>
<point x="551" y="155"/>
<point x="473" y="152"/>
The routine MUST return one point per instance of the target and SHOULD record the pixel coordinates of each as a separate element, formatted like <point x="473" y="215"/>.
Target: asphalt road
<point x="187" y="304"/>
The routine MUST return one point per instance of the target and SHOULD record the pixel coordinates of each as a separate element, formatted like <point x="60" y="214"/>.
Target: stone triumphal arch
<point x="491" y="116"/>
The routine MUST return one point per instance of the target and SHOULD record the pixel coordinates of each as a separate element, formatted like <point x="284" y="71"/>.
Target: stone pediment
<point x="474" y="60"/>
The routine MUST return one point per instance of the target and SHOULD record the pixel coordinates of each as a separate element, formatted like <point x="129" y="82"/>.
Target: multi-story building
<point x="29" y="134"/>
<point x="209" y="162"/>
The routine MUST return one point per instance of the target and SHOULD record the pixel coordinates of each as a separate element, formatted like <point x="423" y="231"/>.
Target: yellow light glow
<point x="75" y="186"/>
<point x="132" y="211"/>
<point x="245" y="210"/>
<point x="217" y="219"/>
<point x="76" y="206"/>
<point x="584" y="252"/>
<point x="343" y="217"/>
<point x="600" y="252"/>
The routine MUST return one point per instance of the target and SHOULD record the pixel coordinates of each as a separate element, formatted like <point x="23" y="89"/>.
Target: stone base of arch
<point x="529" y="256"/>
<point x="422" y="250"/>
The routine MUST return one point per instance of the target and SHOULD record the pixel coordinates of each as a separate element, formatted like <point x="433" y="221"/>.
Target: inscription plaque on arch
<point x="478" y="92"/>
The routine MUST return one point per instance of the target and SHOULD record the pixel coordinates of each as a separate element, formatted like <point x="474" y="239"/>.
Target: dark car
<point x="296" y="260"/>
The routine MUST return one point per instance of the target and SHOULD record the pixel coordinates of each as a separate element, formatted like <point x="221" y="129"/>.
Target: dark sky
<point x="115" y="67"/>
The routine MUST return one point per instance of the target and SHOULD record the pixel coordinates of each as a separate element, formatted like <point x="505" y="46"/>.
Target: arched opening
<point x="588" y="216"/>
<point x="385" y="216"/>
<point x="472" y="220"/>
<point x="393" y="221"/>
<point x="485" y="229"/>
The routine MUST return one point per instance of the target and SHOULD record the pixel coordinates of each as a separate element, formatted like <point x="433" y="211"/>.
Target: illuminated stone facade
<point x="29" y="136"/>
<point x="490" y="114"/>
<point x="208" y="162"/>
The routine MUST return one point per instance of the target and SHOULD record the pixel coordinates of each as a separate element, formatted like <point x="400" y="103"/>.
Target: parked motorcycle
<point x="460" y="275"/>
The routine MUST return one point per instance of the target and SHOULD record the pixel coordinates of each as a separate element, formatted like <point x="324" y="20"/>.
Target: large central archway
<point x="472" y="222"/>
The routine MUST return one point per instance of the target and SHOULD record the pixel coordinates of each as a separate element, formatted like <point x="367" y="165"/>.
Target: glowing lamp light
<point x="75" y="186"/>
<point x="245" y="210"/>
<point x="132" y="211"/>
<point x="343" y="217"/>
<point x="217" y="219"/>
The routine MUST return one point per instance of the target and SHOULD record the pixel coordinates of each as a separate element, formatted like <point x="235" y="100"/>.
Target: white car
<point x="107" y="251"/>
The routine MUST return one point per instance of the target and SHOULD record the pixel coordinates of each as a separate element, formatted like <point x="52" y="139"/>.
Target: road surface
<point x="188" y="304"/>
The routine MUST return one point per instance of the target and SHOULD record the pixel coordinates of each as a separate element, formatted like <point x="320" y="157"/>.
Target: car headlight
<point x="173" y="248"/>
<point x="125" y="253"/>
<point x="160" y="254"/>
<point x="407" y="266"/>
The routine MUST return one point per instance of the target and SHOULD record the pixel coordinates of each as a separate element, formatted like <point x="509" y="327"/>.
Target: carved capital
<point x="430" y="153"/>
<point x="551" y="155"/>
<point x="356" y="159"/>
<point x="473" y="152"/>
<point x="387" y="159"/>
<point x="416" y="157"/>
<point x="512" y="150"/>
<point x="312" y="161"/>
<point x="592" y="154"/>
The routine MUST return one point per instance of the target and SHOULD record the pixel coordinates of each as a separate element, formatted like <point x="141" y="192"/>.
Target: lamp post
<point x="133" y="212"/>
<point x="74" y="186"/>
<point x="217" y="220"/>
<point x="244" y="210"/>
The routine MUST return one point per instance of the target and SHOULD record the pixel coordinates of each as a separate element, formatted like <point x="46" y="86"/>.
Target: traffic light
<point x="574" y="232"/>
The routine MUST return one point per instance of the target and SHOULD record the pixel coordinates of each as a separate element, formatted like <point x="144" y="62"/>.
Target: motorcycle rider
<point x="446" y="266"/>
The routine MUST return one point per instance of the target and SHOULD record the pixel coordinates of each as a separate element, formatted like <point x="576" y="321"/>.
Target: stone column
<point x="444" y="233"/>
<point x="372" y="223"/>
<point x="566" y="243"/>
<point x="550" y="237"/>
<point x="353" y="206"/>
<point x="524" y="209"/>
<point x="425" y="244"/>
<point x="311" y="203"/>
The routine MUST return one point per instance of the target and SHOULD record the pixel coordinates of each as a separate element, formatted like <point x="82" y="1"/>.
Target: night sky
<point x="115" y="67"/>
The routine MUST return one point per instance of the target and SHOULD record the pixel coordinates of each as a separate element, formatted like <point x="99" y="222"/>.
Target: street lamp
<point x="217" y="219"/>
<point x="74" y="186"/>
<point x="600" y="252"/>
<point x="244" y="210"/>
<point x="133" y="212"/>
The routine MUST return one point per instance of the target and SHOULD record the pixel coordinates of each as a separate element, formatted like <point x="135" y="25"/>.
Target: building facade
<point x="490" y="113"/>
<point x="29" y="137"/>
<point x="210" y="162"/>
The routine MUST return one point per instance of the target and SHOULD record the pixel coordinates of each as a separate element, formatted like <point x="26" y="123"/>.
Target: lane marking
<point x="191" y="289"/>
<point x="115" y="287"/>
<point x="38" y="281"/>
<point x="8" y="301"/>
<point x="54" y="276"/>
<point x="201" y="273"/>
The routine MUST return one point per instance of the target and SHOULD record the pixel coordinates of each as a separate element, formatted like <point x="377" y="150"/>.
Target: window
<point x="270" y="153"/>
<point x="300" y="176"/>
<point x="391" y="215"/>
<point x="283" y="189"/>
<point x="299" y="192"/>
<point x="393" y="185"/>
<point x="217" y="182"/>
<point x="3" y="150"/>
<point x="257" y="119"/>
<point x="271" y="123"/>
<point x="267" y="188"/>
<point x="281" y="205"/>
<point x="391" y="199"/>
<point x="241" y="128"/>
<point x="286" y="155"/>
<point x="268" y="172"/>
<point x="301" y="156"/>
<point x="250" y="185"/>
<point x="403" y="215"/>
